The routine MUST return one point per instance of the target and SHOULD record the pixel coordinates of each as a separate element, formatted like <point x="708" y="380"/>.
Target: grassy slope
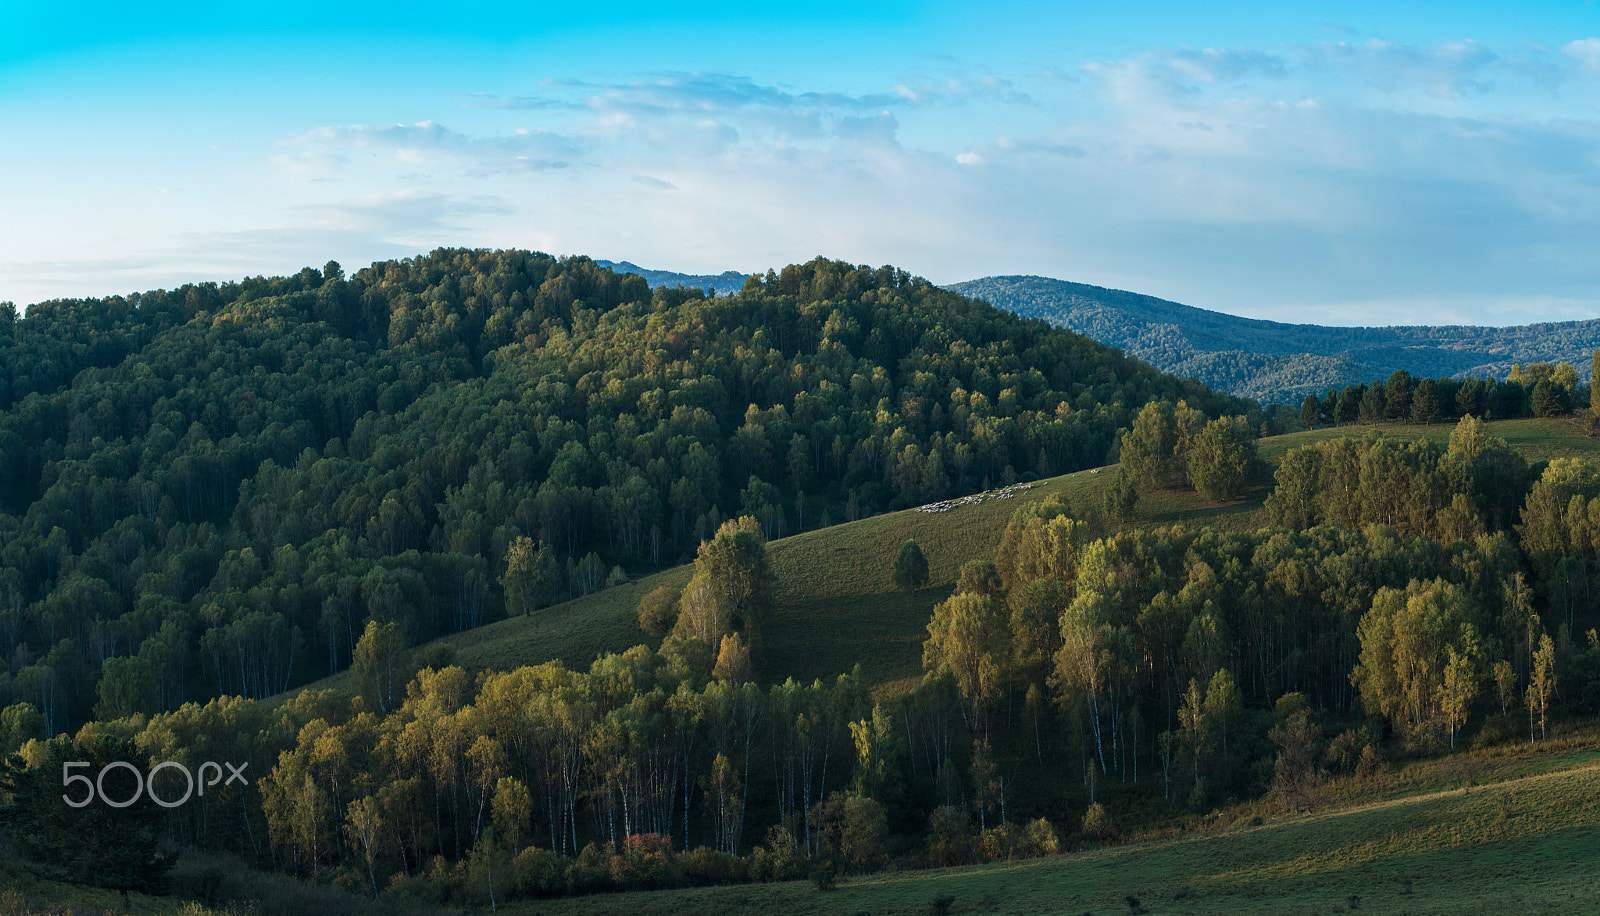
<point x="835" y="605"/>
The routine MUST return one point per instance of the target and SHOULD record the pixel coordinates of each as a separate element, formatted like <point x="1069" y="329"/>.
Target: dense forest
<point x="218" y="493"/>
<point x="210" y="490"/>
<point x="1083" y="680"/>
<point x="1278" y="363"/>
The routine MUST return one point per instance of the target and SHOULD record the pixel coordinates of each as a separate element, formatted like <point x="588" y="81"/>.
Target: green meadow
<point x="1525" y="839"/>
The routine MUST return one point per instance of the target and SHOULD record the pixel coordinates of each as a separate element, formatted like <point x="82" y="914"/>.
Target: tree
<point x="1348" y="406"/>
<point x="529" y="575"/>
<point x="127" y="686"/>
<point x="968" y="635"/>
<point x="1472" y="397"/>
<point x="1192" y="715"/>
<point x="735" y="561"/>
<point x="910" y="567"/>
<point x="1372" y="404"/>
<point x="1222" y="458"/>
<point x="658" y="611"/>
<point x="1295" y="778"/>
<point x="1594" y="390"/>
<point x="93" y="843"/>
<point x="1397" y="395"/>
<point x="733" y="661"/>
<point x="1541" y="686"/>
<point x="704" y="613"/>
<point x="1149" y="448"/>
<point x="980" y="577"/>
<point x="379" y="665"/>
<point x="1408" y="639"/>
<point x="364" y="824"/>
<point x="1310" y="409"/>
<point x="1463" y="675"/>
<point x="1425" y="402"/>
<point x="19" y="723"/>
<point x="1224" y="705"/>
<point x="1549" y="399"/>
<point x="1092" y="663"/>
<point x="1121" y="497"/>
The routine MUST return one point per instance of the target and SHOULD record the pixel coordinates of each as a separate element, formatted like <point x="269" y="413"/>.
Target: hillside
<point x="834" y="609"/>
<point x="1275" y="362"/>
<point x="836" y="606"/>
<point x="214" y="489"/>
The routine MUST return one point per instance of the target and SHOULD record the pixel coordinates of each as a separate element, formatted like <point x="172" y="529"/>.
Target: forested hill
<point x="211" y="489"/>
<point x="729" y="281"/>
<point x="1275" y="362"/>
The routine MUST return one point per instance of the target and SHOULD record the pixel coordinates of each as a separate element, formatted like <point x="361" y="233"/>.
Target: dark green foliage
<point x="1372" y="400"/>
<point x="1223" y="458"/>
<point x="1310" y="411"/>
<point x="1549" y="399"/>
<point x="1425" y="407"/>
<point x="910" y="567"/>
<point x="1122" y="497"/>
<point x="1275" y="362"/>
<point x="98" y="844"/>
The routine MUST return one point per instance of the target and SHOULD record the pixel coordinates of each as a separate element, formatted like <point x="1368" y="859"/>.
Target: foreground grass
<point x="1526" y="844"/>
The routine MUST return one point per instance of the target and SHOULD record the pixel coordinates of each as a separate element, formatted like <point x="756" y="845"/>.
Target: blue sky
<point x="1357" y="163"/>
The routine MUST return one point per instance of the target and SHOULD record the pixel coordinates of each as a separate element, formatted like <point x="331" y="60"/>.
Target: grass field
<point x="1529" y="842"/>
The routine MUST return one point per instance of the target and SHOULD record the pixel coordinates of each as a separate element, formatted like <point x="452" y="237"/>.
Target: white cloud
<point x="425" y="141"/>
<point x="1585" y="51"/>
<point x="309" y="163"/>
<point x="1447" y="70"/>
<point x="400" y="212"/>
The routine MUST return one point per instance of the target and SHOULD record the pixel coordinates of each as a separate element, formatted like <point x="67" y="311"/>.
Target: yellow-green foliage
<point x="834" y="600"/>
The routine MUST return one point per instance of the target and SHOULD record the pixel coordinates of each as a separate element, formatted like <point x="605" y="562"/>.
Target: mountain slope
<point x="1272" y="361"/>
<point x="221" y="484"/>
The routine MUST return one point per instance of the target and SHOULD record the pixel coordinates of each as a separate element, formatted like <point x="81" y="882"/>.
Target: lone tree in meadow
<point x="1121" y="498"/>
<point x="1223" y="456"/>
<point x="530" y="573"/>
<point x="910" y="567"/>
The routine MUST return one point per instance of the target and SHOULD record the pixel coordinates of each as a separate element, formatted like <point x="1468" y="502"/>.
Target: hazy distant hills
<point x="727" y="282"/>
<point x="1270" y="361"/>
<point x="1276" y="362"/>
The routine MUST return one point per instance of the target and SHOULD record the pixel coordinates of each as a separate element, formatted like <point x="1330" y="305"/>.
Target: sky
<point x="1354" y="163"/>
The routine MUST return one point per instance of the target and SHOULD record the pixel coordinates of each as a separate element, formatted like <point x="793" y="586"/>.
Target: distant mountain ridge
<point x="1275" y="362"/>
<point x="729" y="281"/>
